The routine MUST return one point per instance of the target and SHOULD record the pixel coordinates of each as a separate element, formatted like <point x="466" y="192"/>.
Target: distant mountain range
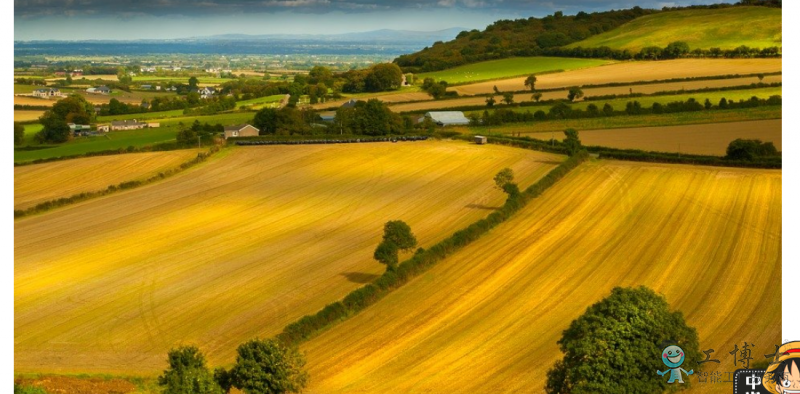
<point x="387" y="35"/>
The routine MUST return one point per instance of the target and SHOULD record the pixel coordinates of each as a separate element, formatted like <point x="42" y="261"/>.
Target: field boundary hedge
<point x="76" y="198"/>
<point x="605" y="152"/>
<point x="161" y="147"/>
<point x="310" y="325"/>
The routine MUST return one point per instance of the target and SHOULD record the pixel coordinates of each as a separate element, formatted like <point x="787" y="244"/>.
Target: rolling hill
<point x="487" y="318"/>
<point x="724" y="28"/>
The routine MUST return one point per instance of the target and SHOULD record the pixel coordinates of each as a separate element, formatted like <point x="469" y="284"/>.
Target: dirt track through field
<point x="487" y="319"/>
<point x="632" y="72"/>
<point x="234" y="248"/>
<point x="42" y="182"/>
<point x="706" y="139"/>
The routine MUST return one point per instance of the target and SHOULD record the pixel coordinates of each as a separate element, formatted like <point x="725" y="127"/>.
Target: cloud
<point x="34" y="8"/>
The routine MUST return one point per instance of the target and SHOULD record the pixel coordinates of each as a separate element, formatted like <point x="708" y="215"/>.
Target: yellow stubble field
<point x="47" y="181"/>
<point x="487" y="319"/>
<point x="234" y="248"/>
<point x="632" y="72"/>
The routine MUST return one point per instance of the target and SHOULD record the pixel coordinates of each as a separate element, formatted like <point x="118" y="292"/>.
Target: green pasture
<point x="727" y="28"/>
<point x="508" y="68"/>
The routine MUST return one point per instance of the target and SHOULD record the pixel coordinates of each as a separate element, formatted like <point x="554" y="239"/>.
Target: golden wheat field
<point x="26" y="115"/>
<point x="234" y="248"/>
<point x="487" y="319"/>
<point x="631" y="72"/>
<point x="47" y="181"/>
<point x="588" y="92"/>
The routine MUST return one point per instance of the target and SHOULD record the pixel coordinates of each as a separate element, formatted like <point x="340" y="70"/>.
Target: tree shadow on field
<point x="480" y="206"/>
<point x="360" y="277"/>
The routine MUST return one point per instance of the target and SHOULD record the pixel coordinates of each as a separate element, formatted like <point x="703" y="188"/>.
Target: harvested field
<point x="386" y="98"/>
<point x="614" y="122"/>
<point x="632" y="72"/>
<point x="26" y="115"/>
<point x="562" y="94"/>
<point x="79" y="385"/>
<point x="707" y="139"/>
<point x="234" y="248"/>
<point x="487" y="319"/>
<point x="28" y="100"/>
<point x="42" y="182"/>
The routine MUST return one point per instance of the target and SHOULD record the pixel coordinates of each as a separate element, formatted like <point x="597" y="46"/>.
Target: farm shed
<point x="242" y="130"/>
<point x="127" y="125"/>
<point x="480" y="140"/>
<point x="447" y="118"/>
<point x="350" y="103"/>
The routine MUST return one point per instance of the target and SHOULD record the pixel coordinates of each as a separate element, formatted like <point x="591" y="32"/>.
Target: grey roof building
<point x="447" y="118"/>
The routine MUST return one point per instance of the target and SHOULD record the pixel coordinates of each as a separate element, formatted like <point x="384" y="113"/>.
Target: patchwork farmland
<point x="261" y="236"/>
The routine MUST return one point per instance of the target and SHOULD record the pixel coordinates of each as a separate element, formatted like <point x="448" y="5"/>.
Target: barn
<point x="448" y="118"/>
<point x="242" y="130"/>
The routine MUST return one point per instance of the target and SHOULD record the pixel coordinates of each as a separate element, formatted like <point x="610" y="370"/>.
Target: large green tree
<point x="383" y="77"/>
<point x="615" y="346"/>
<point x="571" y="141"/>
<point x="530" y="82"/>
<point x="397" y="236"/>
<point x="742" y="149"/>
<point x="187" y="373"/>
<point x="266" y="366"/>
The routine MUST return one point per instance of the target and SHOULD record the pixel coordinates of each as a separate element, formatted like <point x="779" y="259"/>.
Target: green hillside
<point x="509" y="68"/>
<point x="725" y="28"/>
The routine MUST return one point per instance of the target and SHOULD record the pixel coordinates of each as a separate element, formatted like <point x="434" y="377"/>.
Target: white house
<point x="47" y="93"/>
<point x="206" y="92"/>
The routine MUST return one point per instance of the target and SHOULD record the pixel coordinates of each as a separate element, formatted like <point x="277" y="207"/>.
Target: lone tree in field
<point x="530" y="82"/>
<point x="397" y="236"/>
<point x="267" y="367"/>
<point x="616" y="345"/>
<point x="490" y="102"/>
<point x="508" y="98"/>
<point x="187" y="373"/>
<point x="537" y="96"/>
<point x="574" y="93"/>
<point x="571" y="141"/>
<point x="504" y="180"/>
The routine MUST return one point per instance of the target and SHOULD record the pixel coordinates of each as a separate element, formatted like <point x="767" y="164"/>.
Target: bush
<point x="268" y="367"/>
<point x="187" y="373"/>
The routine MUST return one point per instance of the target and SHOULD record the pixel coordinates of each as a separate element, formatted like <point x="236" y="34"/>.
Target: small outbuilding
<point x="480" y="140"/>
<point x="350" y="103"/>
<point x="448" y="118"/>
<point x="242" y="130"/>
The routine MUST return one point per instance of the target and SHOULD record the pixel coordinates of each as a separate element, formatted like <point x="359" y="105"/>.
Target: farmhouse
<point x="127" y="125"/>
<point x="447" y="118"/>
<point x="47" y="93"/>
<point x="350" y="103"/>
<point x="102" y="127"/>
<point x="99" y="90"/>
<point x="242" y="130"/>
<point x="206" y="92"/>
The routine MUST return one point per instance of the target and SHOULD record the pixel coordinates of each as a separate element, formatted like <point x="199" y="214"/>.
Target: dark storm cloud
<point x="134" y="8"/>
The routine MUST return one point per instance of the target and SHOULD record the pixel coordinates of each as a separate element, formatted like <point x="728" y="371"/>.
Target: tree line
<point x="547" y="36"/>
<point x="562" y="110"/>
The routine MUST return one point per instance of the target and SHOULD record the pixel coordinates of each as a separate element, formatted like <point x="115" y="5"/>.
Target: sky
<point x="167" y="19"/>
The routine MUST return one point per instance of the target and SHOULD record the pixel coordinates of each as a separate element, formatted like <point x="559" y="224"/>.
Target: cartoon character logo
<point x="673" y="357"/>
<point x="783" y="374"/>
